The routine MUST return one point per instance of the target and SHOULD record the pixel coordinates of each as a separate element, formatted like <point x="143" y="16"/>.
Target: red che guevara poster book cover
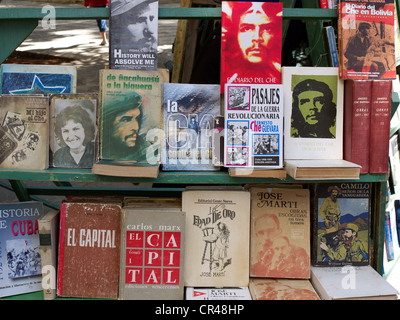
<point x="366" y="39"/>
<point x="251" y="42"/>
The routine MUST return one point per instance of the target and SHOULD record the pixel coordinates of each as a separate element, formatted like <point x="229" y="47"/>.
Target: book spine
<point x="330" y="33"/>
<point x="61" y="244"/>
<point x="388" y="236"/>
<point x="340" y="39"/>
<point x="381" y="100"/>
<point x="323" y="4"/>
<point x="357" y="114"/>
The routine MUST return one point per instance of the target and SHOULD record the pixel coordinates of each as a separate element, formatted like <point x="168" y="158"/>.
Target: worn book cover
<point x="152" y="247"/>
<point x="217" y="237"/>
<point x="133" y="34"/>
<point x="89" y="249"/>
<point x="253" y="126"/>
<point x="341" y="224"/>
<point x="282" y="289"/>
<point x="72" y="130"/>
<point x="251" y="42"/>
<point x="313" y="112"/>
<point x="37" y="79"/>
<point x="351" y="283"/>
<point x="366" y="39"/>
<point x="20" y="263"/>
<point x="130" y="117"/>
<point x="357" y="116"/>
<point x="49" y="225"/>
<point x="24" y="131"/>
<point x="280" y="233"/>
<point x="188" y="112"/>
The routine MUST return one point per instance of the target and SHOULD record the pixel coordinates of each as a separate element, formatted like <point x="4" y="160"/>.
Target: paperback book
<point x="280" y="233"/>
<point x="130" y="117"/>
<point x="341" y="224"/>
<point x="217" y="237"/>
<point x="20" y="263"/>
<point x="313" y="104"/>
<point x="72" y="130"/>
<point x="152" y="247"/>
<point x="366" y="39"/>
<point x="37" y="79"/>
<point x="24" y="131"/>
<point x="243" y="59"/>
<point x="254" y="126"/>
<point x="189" y="110"/>
<point x="133" y="34"/>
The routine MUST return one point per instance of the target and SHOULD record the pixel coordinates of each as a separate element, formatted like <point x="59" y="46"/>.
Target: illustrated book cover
<point x="254" y="126"/>
<point x="280" y="233"/>
<point x="133" y="34"/>
<point x="217" y="237"/>
<point x="89" y="249"/>
<point x="251" y="42"/>
<point x="20" y="263"/>
<point x="37" y="79"/>
<point x="49" y="225"/>
<point x="239" y="293"/>
<point x="357" y="117"/>
<point x="351" y="283"/>
<point x="188" y="112"/>
<point x="366" y="39"/>
<point x="313" y="112"/>
<point x="24" y="131"/>
<point x="341" y="224"/>
<point x="152" y="253"/>
<point x="381" y="105"/>
<point x="282" y="289"/>
<point x="130" y="117"/>
<point x="72" y="130"/>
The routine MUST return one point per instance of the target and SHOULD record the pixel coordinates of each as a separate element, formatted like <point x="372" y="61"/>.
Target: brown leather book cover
<point x="89" y="250"/>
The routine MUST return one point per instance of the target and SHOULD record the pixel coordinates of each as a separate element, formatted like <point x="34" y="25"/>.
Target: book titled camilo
<point x="189" y="110"/>
<point x="89" y="249"/>
<point x="251" y="42"/>
<point x="152" y="244"/>
<point x="20" y="262"/>
<point x="280" y="233"/>
<point x="366" y="39"/>
<point x="341" y="224"/>
<point x="254" y="126"/>
<point x="130" y="114"/>
<point x="37" y="79"/>
<point x="217" y="237"/>
<point x="24" y="131"/>
<point x="133" y="34"/>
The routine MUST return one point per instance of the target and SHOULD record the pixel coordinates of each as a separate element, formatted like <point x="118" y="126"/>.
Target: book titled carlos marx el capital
<point x="89" y="249"/>
<point x="152" y="243"/>
<point x="217" y="237"/>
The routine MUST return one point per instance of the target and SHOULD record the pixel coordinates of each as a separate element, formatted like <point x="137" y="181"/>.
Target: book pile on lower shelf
<point x="253" y="242"/>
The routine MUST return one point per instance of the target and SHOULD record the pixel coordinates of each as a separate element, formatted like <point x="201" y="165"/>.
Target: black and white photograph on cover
<point x="74" y="133"/>
<point x="238" y="133"/>
<point x="265" y="144"/>
<point x="239" y="98"/>
<point x="237" y="156"/>
<point x="23" y="258"/>
<point x="133" y="34"/>
<point x="313" y="113"/>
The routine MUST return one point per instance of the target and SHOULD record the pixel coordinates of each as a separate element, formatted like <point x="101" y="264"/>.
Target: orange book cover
<point x="366" y="39"/>
<point x="280" y="233"/>
<point x="89" y="250"/>
<point x="251" y="42"/>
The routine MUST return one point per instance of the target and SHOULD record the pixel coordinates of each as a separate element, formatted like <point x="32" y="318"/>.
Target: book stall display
<point x="276" y="182"/>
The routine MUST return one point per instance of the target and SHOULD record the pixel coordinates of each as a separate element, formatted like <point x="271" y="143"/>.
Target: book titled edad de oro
<point x="254" y="126"/>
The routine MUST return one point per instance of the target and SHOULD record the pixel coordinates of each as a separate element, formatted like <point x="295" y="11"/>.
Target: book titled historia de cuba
<point x="254" y="126"/>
